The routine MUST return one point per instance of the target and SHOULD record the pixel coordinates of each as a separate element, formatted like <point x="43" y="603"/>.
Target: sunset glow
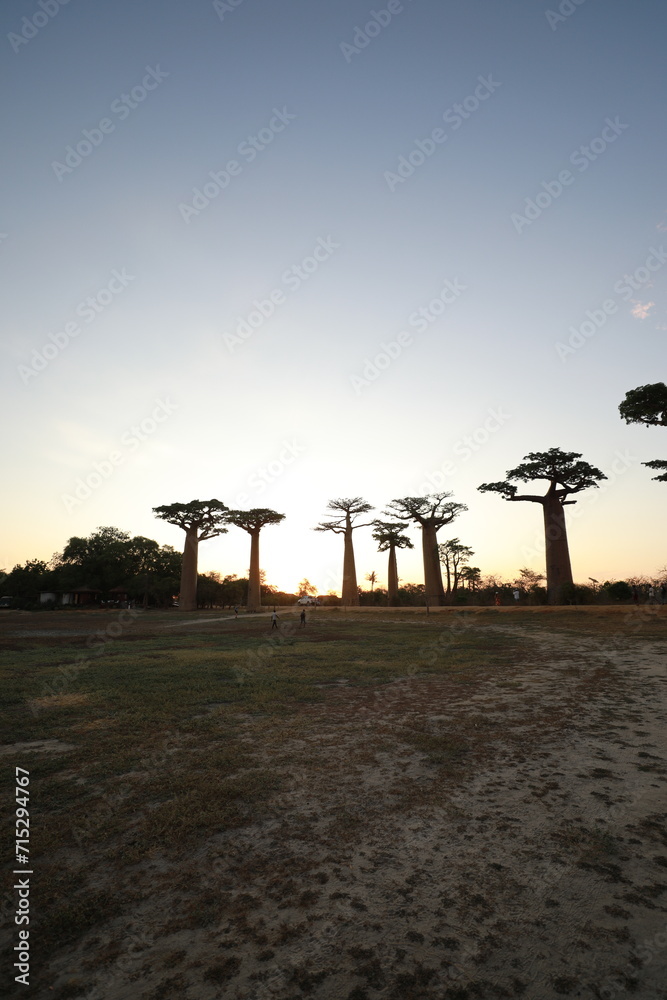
<point x="251" y="258"/>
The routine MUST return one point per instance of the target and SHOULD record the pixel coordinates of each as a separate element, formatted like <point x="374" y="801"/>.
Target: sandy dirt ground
<point x="440" y="839"/>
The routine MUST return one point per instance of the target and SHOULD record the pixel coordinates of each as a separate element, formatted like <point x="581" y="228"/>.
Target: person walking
<point x="236" y="611"/>
<point x="303" y="619"/>
<point x="635" y="595"/>
<point x="274" y="621"/>
<point x="517" y="594"/>
<point x="651" y="595"/>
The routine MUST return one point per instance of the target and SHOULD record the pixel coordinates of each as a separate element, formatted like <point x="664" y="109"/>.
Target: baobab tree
<point x="253" y="521"/>
<point x="565" y="476"/>
<point x="391" y="536"/>
<point x="431" y="513"/>
<point x="454" y="555"/>
<point x="344" y="515"/>
<point x="647" y="404"/>
<point x="200" y="520"/>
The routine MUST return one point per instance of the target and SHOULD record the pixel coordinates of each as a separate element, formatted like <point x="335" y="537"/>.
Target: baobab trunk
<point x="392" y="577"/>
<point x="254" y="585"/>
<point x="187" y="599"/>
<point x="435" y="592"/>
<point x="350" y="591"/>
<point x="559" y="570"/>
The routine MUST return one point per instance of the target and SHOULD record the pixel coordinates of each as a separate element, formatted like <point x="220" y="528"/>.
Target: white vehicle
<point x="308" y="600"/>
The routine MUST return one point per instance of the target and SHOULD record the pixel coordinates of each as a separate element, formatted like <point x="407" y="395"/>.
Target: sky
<point x="276" y="253"/>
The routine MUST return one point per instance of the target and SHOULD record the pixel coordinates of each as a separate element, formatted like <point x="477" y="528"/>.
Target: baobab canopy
<point x="647" y="404"/>
<point x="344" y="511"/>
<point x="560" y="468"/>
<point x="207" y="516"/>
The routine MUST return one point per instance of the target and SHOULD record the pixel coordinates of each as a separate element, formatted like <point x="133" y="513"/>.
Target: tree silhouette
<point x="565" y="476"/>
<point x="253" y="521"/>
<point x="345" y="512"/>
<point x="454" y="556"/>
<point x="647" y="405"/>
<point x="154" y="568"/>
<point x="102" y="560"/>
<point x="200" y="520"/>
<point x="431" y="513"/>
<point x="372" y="579"/>
<point x="472" y="575"/>
<point x="529" y="579"/>
<point x="391" y="536"/>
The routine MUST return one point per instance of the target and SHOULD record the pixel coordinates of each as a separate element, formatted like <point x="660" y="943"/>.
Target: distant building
<point x="84" y="597"/>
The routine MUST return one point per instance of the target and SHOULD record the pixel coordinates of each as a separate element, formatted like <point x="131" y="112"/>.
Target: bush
<point x="619" y="590"/>
<point x="578" y="593"/>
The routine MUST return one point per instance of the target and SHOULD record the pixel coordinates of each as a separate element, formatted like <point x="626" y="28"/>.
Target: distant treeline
<point x="110" y="568"/>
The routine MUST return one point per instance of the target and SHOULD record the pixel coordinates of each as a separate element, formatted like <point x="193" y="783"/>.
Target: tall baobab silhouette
<point x="391" y="536"/>
<point x="342" y="522"/>
<point x="253" y="521"/>
<point x="431" y="513"/>
<point x="565" y="476"/>
<point x="200" y="520"/>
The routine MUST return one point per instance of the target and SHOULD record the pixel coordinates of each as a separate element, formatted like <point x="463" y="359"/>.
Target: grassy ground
<point x="453" y="806"/>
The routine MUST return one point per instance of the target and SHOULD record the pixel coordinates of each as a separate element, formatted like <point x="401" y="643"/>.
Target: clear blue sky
<point x="306" y="133"/>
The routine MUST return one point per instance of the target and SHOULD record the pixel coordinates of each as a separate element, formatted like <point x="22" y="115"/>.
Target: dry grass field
<point x="378" y="806"/>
